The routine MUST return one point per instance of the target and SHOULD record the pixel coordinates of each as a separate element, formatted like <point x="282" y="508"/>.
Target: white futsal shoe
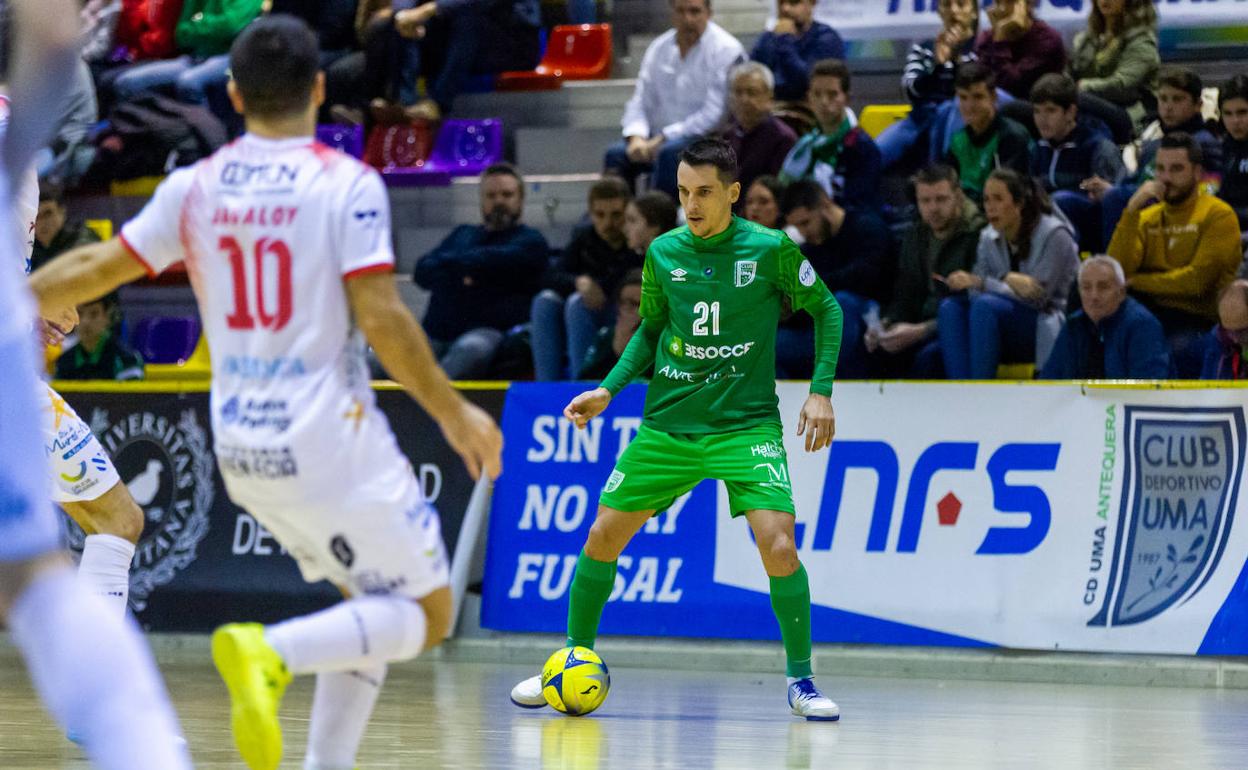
<point x="528" y="694"/>
<point x="806" y="701"/>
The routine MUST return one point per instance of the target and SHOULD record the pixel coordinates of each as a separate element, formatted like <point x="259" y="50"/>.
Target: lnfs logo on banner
<point x="167" y="466"/>
<point x="1180" y="489"/>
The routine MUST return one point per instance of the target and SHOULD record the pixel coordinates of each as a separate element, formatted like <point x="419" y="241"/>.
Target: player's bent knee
<point x="603" y="544"/>
<point x="779" y="553"/>
<point x="113" y="513"/>
<point x="131" y="521"/>
<point x="121" y="515"/>
<point x="783" y="551"/>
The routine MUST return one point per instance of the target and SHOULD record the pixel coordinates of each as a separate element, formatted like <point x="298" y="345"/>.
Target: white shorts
<point x="376" y="548"/>
<point x="28" y="525"/>
<point x="81" y="470"/>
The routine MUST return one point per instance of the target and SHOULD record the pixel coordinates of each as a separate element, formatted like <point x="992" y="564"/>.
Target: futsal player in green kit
<point x="712" y="295"/>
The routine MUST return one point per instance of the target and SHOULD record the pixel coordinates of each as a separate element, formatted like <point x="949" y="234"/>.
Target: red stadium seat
<point x="573" y="52"/>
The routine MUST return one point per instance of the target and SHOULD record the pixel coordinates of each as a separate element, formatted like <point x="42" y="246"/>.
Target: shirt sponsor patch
<point x="257" y="463"/>
<point x="806" y="273"/>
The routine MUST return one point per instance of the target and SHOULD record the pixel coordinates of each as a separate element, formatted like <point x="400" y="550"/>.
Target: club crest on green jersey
<point x="613" y="483"/>
<point x="745" y="272"/>
<point x="676" y="346"/>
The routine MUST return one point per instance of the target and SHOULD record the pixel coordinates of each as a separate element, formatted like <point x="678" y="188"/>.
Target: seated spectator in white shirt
<point x="680" y="95"/>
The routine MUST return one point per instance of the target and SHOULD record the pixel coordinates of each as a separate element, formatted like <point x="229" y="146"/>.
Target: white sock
<point x="341" y="708"/>
<point x="105" y="568"/>
<point x="359" y="633"/>
<point x="96" y="675"/>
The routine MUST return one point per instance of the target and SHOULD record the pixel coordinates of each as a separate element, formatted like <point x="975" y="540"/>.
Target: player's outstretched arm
<point x="807" y="291"/>
<point x="404" y="350"/>
<point x="587" y="406"/>
<point x="817" y="420"/>
<point x="638" y="355"/>
<point x="81" y="275"/>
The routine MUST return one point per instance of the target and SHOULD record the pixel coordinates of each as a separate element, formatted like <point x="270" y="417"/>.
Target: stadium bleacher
<point x="556" y="135"/>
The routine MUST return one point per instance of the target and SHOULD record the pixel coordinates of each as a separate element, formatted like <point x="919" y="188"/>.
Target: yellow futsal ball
<point x="575" y="680"/>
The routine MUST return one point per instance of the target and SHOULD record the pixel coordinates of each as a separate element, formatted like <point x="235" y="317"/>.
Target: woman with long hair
<point x="762" y="202"/>
<point x="648" y="216"/>
<point x="1011" y="307"/>
<point x="1116" y="57"/>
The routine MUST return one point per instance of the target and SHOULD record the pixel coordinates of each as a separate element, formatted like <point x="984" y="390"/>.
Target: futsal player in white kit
<point x="287" y="245"/>
<point x="82" y="478"/>
<point x="88" y="664"/>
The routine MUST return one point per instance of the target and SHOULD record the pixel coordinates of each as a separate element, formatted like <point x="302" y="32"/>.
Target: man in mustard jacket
<point x="1180" y="253"/>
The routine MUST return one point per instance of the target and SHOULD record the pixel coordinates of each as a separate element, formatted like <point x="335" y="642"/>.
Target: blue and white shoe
<point x="528" y="694"/>
<point x="806" y="701"/>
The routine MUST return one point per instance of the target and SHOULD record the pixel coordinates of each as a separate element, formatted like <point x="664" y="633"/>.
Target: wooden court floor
<point x="440" y="714"/>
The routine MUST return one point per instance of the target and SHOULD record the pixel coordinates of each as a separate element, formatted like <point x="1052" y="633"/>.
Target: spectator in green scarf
<point x="837" y="154"/>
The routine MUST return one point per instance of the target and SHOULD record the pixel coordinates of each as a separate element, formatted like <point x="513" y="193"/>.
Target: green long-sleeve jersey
<point x="709" y="308"/>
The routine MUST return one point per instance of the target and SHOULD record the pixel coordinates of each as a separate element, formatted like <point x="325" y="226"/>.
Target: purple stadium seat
<point x="463" y="148"/>
<point x="166" y="340"/>
<point x="348" y="139"/>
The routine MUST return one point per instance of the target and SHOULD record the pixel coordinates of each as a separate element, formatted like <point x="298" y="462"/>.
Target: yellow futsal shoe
<point x="256" y="677"/>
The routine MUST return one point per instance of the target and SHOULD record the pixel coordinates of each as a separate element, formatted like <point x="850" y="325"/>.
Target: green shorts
<point x="657" y="467"/>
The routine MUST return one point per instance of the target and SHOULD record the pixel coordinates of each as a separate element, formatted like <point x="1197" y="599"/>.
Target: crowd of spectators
<point x="1071" y="210"/>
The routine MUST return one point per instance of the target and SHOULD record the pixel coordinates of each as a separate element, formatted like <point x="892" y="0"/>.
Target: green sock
<point x="790" y="600"/>
<point x="591" y="587"/>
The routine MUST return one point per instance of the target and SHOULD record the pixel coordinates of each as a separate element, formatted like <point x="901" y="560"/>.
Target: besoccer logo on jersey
<point x="1179" y="494"/>
<point x="167" y="465"/>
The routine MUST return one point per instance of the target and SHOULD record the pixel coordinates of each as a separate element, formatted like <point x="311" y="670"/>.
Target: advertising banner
<point x="1037" y="516"/>
<point x="900" y="19"/>
<point x="201" y="560"/>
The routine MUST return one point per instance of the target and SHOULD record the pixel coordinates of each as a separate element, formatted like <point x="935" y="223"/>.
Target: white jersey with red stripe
<point x="269" y="231"/>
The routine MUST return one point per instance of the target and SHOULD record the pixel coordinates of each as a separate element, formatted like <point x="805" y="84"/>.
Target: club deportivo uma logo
<point x="745" y="272"/>
<point x="1179" y="494"/>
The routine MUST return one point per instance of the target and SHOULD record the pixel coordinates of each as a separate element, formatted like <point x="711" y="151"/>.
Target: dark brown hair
<point x="831" y="68"/>
<point x="1034" y="201"/>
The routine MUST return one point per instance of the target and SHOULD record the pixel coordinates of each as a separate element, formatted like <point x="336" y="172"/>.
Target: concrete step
<point x="546" y="150"/>
<point x="412" y="243"/>
<point x="582" y="104"/>
<point x="423" y="217"/>
<point x="551" y="201"/>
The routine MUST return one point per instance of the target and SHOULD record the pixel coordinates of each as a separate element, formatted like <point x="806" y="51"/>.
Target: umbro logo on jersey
<point x="679" y="274"/>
